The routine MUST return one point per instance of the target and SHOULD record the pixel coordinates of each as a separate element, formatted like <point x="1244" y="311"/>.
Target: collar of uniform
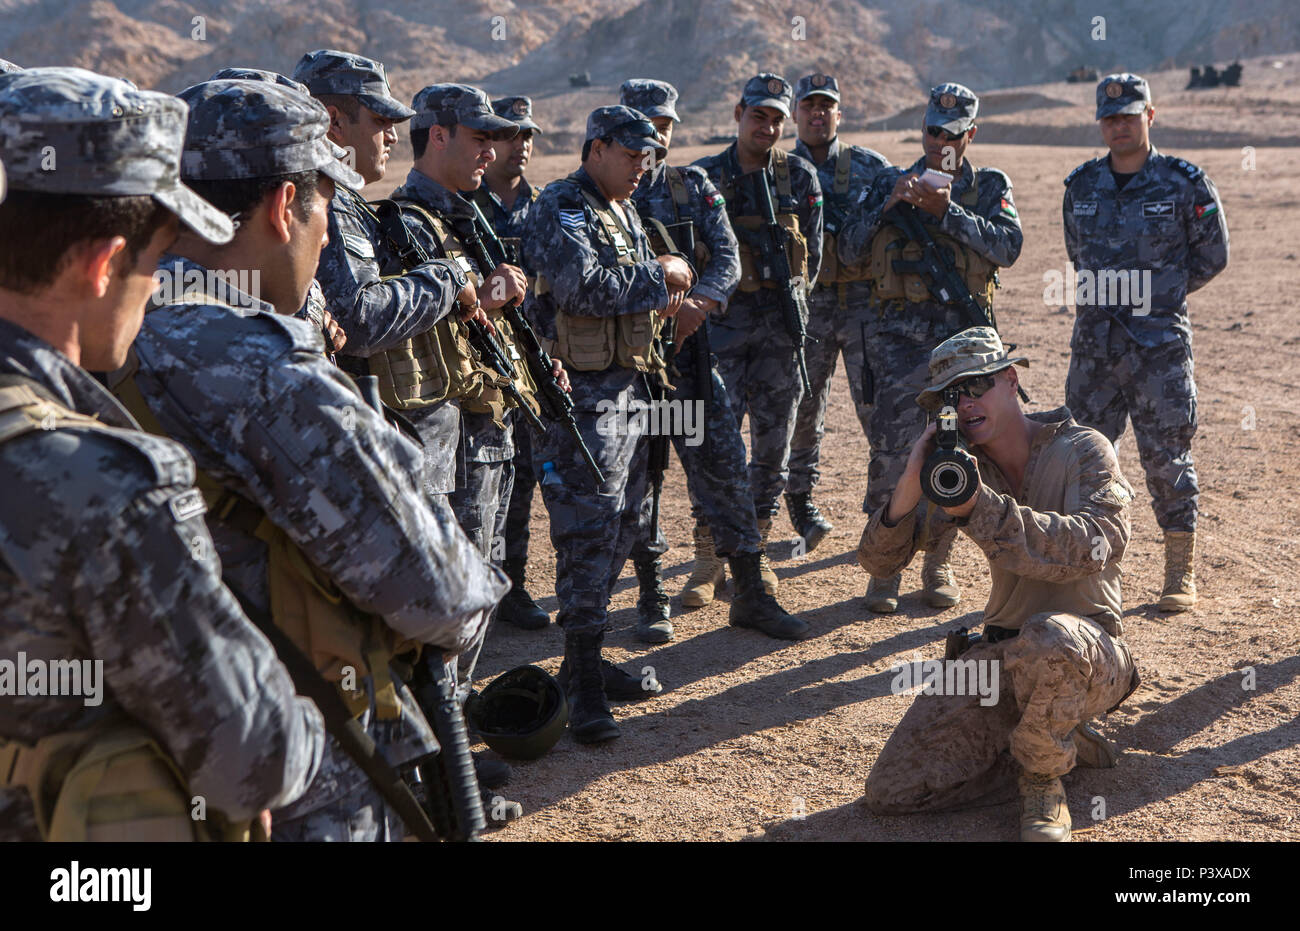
<point x="432" y="195"/>
<point x="803" y="151"/>
<point x="589" y="183"/>
<point x="733" y="155"/>
<point x="959" y="183"/>
<point x="213" y="285"/>
<point x="1107" y="178"/>
<point x="72" y="386"/>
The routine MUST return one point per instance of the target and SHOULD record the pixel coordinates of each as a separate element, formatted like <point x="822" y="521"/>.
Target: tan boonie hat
<point x="977" y="351"/>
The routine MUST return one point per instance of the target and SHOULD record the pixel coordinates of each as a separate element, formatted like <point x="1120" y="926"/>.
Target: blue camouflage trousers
<point x="837" y="317"/>
<point x="1113" y="378"/>
<point x="593" y="527"/>
<point x="758" y="365"/>
<point x="481" y="489"/>
<point x="715" y="468"/>
<point x="519" y="506"/>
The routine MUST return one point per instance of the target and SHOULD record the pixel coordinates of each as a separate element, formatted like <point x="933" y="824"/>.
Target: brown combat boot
<point x="770" y="582"/>
<point x="882" y="594"/>
<point x="707" y="575"/>
<point x="939" y="585"/>
<point x="1094" y="751"/>
<point x="1044" y="815"/>
<point x="1180" y="581"/>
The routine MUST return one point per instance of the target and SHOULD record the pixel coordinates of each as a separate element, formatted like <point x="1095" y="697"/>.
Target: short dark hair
<point x="238" y="196"/>
<point x="39" y="230"/>
<point x="348" y="103"/>
<point x="420" y="138"/>
<point x="586" y="146"/>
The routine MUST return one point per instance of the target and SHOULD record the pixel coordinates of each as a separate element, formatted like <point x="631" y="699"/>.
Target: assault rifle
<point x="489" y="251"/>
<point x="490" y="352"/>
<point x="936" y="269"/>
<point x="774" y="265"/>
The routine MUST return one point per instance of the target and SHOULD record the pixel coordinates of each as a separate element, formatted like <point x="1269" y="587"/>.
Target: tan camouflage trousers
<point x="949" y="751"/>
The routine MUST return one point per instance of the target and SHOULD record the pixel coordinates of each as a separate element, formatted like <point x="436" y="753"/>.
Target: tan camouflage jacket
<point x="1055" y="546"/>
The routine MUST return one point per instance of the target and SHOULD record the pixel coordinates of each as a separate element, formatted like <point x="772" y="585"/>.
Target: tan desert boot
<point x="938" y="583"/>
<point x="707" y="575"/>
<point x="882" y="594"/>
<point x="1180" y="581"/>
<point x="1094" y="750"/>
<point x="1044" y="815"/>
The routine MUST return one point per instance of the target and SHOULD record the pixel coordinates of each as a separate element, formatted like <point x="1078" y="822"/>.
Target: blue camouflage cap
<point x="768" y="90"/>
<point x="8" y="67"/>
<point x="257" y="74"/>
<point x="70" y="131"/>
<point x="1122" y="93"/>
<point x="952" y="106"/>
<point x="517" y="110"/>
<point x="653" y="98"/>
<point x="257" y="129"/>
<point x="329" y="71"/>
<point x="627" y="127"/>
<point x="817" y="83"/>
<point x="458" y="105"/>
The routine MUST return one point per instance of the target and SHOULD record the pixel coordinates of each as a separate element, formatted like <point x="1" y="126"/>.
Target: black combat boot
<point x="752" y="606"/>
<point x="589" y="717"/>
<point x="619" y="685"/>
<point x="518" y="607"/>
<point x="652" y="624"/>
<point x="807" y="520"/>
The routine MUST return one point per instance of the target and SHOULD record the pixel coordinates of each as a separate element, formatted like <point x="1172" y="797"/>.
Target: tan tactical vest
<point x="593" y="344"/>
<point x="891" y="243"/>
<point x="342" y="642"/>
<point x="430" y="367"/>
<point x="833" y="271"/>
<point x="112" y="782"/>
<point x="796" y="244"/>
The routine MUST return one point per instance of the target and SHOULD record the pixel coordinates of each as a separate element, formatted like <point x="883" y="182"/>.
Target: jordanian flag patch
<point x="1008" y="208"/>
<point x="716" y="201"/>
<point x="814" y="200"/>
<point x="1206" y="210"/>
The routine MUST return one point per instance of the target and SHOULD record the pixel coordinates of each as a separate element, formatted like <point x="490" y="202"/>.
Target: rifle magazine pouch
<point x="585" y="344"/>
<point x="414" y="374"/>
<point x="635" y="345"/>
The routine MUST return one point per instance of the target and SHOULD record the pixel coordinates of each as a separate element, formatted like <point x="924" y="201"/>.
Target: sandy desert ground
<point x="758" y="739"/>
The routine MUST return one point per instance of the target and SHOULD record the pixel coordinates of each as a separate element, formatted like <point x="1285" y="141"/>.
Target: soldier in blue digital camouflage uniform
<point x="1143" y="230"/>
<point x="383" y="305"/>
<point x="599" y="297"/>
<point x="453" y="134"/>
<point x="755" y="351"/>
<point x="715" y="468"/>
<point x="307" y="468"/>
<point x="505" y="197"/>
<point x="974" y="218"/>
<point x="104" y="554"/>
<point x="838" y="306"/>
<point x="386" y="301"/>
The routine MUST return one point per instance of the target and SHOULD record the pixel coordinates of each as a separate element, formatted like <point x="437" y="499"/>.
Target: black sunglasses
<point x="976" y="386"/>
<point x="938" y="132"/>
